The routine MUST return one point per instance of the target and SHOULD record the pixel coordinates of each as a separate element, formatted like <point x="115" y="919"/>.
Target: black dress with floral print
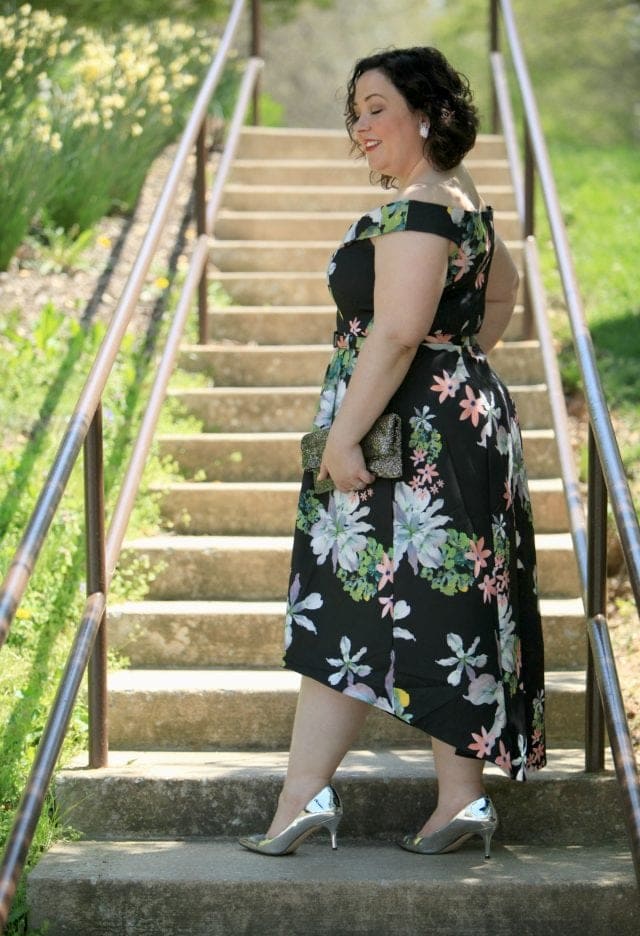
<point x="419" y="595"/>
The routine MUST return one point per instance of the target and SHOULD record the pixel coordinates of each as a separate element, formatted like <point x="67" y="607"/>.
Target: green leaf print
<point x="308" y="511"/>
<point x="456" y="572"/>
<point x="363" y="584"/>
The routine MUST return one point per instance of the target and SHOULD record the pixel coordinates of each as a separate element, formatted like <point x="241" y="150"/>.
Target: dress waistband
<point x="343" y="340"/>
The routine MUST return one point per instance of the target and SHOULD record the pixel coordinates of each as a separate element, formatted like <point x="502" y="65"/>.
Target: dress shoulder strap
<point x="410" y="215"/>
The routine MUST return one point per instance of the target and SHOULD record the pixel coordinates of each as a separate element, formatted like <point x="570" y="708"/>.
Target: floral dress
<point x="419" y="595"/>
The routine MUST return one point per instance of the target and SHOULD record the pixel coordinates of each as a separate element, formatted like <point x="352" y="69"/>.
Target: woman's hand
<point x="345" y="465"/>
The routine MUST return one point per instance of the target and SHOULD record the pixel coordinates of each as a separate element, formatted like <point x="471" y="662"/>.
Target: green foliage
<point x="56" y="353"/>
<point x="582" y="56"/>
<point x="84" y="114"/>
<point x="105" y="13"/>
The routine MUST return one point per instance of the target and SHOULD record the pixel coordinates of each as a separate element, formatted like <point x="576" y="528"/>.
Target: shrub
<point x="84" y="115"/>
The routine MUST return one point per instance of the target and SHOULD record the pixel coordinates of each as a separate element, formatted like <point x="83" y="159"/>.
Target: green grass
<point x="599" y="190"/>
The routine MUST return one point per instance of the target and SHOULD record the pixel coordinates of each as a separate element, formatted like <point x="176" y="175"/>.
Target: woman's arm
<point x="500" y="298"/>
<point x="410" y="273"/>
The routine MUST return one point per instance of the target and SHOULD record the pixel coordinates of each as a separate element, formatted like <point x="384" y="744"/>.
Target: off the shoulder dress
<point x="419" y="595"/>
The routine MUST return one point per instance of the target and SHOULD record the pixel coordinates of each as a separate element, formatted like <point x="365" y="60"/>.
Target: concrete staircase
<point x="200" y="723"/>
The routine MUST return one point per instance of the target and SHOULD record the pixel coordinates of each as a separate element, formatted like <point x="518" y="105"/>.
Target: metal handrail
<point x="607" y="478"/>
<point x="85" y="426"/>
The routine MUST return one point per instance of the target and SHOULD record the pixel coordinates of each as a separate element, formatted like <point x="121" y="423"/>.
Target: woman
<point x="417" y="595"/>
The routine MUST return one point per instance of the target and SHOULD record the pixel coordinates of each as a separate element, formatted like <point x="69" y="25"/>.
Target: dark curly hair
<point x="432" y="87"/>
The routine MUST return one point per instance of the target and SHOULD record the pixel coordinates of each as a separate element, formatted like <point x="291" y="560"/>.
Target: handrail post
<point x="528" y="220"/>
<point x="596" y="601"/>
<point x="96" y="582"/>
<point x="256" y="52"/>
<point x="201" y="224"/>
<point x="494" y="46"/>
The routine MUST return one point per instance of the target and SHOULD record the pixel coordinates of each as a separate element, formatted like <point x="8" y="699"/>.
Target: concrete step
<point x="257" y="567"/>
<point x="324" y="225"/>
<point x="275" y="456"/>
<point x="277" y="289"/>
<point x="291" y="409"/>
<point x="230" y="508"/>
<point x="279" y="325"/>
<point x="291" y="255"/>
<point x="235" y="365"/>
<point x="269" y="256"/>
<point x="164" y="794"/>
<point x="199" y="710"/>
<point x="345" y="171"/>
<point x="249" y="634"/>
<point x="307" y="143"/>
<point x="352" y="198"/>
<point x="215" y="888"/>
<point x="265" y="288"/>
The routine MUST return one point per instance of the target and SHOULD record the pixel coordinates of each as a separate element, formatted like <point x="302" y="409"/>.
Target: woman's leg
<point x="459" y="783"/>
<point x="326" y="725"/>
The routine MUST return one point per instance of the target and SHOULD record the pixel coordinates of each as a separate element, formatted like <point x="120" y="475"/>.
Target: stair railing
<point x="606" y="477"/>
<point x="89" y="648"/>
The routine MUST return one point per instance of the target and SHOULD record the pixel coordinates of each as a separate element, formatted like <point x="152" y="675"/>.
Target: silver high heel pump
<point x="325" y="809"/>
<point x="477" y="818"/>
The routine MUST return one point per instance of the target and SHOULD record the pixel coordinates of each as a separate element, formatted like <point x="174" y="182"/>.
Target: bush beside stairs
<point x="199" y="724"/>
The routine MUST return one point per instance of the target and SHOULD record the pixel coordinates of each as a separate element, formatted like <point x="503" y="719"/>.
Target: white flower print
<point x="421" y="422"/>
<point x="331" y="269"/>
<point x="463" y="659"/>
<point x="506" y="626"/>
<point x="396" y="701"/>
<point x="330" y="402"/>
<point x="293" y="616"/>
<point x="486" y="690"/>
<point x="348" y="665"/>
<point x="340" y="531"/>
<point x="417" y="528"/>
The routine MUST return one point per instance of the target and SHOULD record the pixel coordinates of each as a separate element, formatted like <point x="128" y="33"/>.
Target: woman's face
<point x="386" y="130"/>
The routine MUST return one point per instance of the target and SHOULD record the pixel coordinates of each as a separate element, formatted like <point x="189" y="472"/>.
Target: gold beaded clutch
<point x="381" y="447"/>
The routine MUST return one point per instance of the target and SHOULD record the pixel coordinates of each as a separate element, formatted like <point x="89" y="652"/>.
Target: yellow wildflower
<point x="161" y="282"/>
<point x="136" y="129"/>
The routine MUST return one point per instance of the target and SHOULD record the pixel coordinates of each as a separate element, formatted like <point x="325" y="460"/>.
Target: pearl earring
<point x="424" y="129"/>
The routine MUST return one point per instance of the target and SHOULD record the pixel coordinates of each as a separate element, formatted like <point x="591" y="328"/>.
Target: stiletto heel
<point x="477" y="818"/>
<point x="325" y="809"/>
<point x="332" y="826"/>
<point x="487" y="835"/>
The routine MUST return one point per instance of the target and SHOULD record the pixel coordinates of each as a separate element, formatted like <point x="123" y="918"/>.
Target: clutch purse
<point x="381" y="448"/>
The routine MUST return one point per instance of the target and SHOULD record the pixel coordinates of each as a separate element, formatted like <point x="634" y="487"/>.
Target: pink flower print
<point x="478" y="555"/>
<point x="504" y="759"/>
<point x="462" y="260"/>
<point x="428" y="473"/>
<point x="416" y="484"/>
<point x="385" y="568"/>
<point x="480" y="278"/>
<point x="387" y="606"/>
<point x="418" y="456"/>
<point x="473" y="407"/>
<point x="488" y="588"/>
<point x="355" y="327"/>
<point x="342" y="342"/>
<point x="483" y="743"/>
<point x="498" y="560"/>
<point x="502" y="581"/>
<point x="446" y="386"/>
<point x="507" y="494"/>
